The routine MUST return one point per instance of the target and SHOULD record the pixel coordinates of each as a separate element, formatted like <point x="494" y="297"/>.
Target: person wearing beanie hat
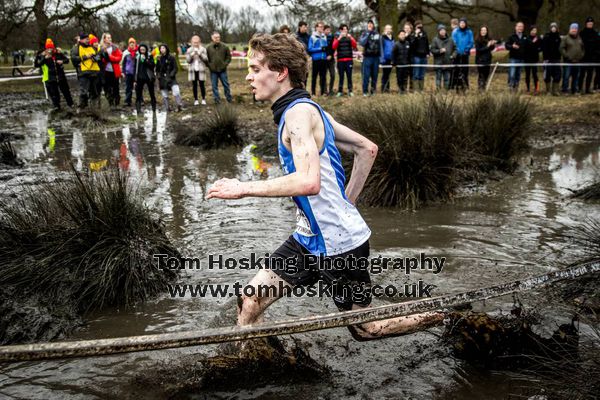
<point x="484" y="45"/>
<point x="51" y="61"/>
<point x="533" y="48"/>
<point x="516" y="45"/>
<point x="591" y="44"/>
<point x="443" y="49"/>
<point x="89" y="70"/>
<point x="463" y="37"/>
<point x="370" y="41"/>
<point x="128" y="68"/>
<point x="551" y="55"/>
<point x="572" y="51"/>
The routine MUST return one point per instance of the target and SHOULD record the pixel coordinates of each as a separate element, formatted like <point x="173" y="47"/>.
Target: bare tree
<point x="248" y="22"/>
<point x="60" y="12"/>
<point x="215" y="16"/>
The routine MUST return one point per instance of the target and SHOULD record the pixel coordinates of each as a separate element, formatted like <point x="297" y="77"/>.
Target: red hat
<point x="49" y="44"/>
<point x="93" y="39"/>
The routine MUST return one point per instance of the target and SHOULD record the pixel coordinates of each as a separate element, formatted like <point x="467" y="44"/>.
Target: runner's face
<point x="263" y="81"/>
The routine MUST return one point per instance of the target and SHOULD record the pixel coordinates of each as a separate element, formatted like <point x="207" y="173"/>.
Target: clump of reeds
<point x="8" y="154"/>
<point x="590" y="192"/>
<point x="216" y="130"/>
<point x="429" y="144"/>
<point x="89" y="235"/>
<point x="498" y="127"/>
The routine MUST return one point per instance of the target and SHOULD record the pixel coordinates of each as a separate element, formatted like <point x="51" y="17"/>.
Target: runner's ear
<point x="282" y="74"/>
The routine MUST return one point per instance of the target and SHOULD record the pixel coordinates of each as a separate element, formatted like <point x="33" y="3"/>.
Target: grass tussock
<point x="217" y="129"/>
<point x="428" y="145"/>
<point x="90" y="236"/>
<point x="8" y="154"/>
<point x="590" y="192"/>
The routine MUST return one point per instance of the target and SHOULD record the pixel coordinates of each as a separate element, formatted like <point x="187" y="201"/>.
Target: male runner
<point x="328" y="223"/>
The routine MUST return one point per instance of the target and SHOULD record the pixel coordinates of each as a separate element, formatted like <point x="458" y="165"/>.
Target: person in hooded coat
<point x="166" y="69"/>
<point x="463" y="38"/>
<point x="551" y="55"/>
<point x="144" y="76"/>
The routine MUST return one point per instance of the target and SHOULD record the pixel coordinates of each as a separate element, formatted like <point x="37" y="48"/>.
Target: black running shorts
<point x="346" y="277"/>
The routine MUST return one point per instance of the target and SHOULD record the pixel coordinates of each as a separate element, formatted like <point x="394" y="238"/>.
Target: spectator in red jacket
<point x="344" y="44"/>
<point x="110" y="56"/>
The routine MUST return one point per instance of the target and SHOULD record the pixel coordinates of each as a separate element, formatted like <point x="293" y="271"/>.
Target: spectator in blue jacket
<point x="463" y="38"/>
<point x="370" y="41"/>
<point x="387" y="44"/>
<point x="317" y="48"/>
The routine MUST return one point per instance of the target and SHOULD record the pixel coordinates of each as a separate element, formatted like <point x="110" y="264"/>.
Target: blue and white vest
<point x="326" y="223"/>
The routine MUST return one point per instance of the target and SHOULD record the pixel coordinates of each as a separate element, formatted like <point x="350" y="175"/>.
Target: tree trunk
<point x="414" y="11"/>
<point x="387" y="14"/>
<point x="168" y="26"/>
<point x="528" y="10"/>
<point x="42" y="21"/>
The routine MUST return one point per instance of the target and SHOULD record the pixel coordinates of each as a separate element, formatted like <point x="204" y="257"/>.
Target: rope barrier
<point x="97" y="347"/>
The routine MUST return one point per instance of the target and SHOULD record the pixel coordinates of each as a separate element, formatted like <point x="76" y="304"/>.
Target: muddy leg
<point x="251" y="308"/>
<point x="395" y="326"/>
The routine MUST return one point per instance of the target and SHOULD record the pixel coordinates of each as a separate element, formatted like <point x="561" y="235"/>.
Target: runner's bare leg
<point x="251" y="309"/>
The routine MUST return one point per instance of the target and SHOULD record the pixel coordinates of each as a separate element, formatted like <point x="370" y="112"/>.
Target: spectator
<point x="516" y="45"/>
<point x="52" y="61"/>
<point x="88" y="77"/>
<point x="591" y="43"/>
<point x="463" y="38"/>
<point x="444" y="53"/>
<point x="410" y="37"/>
<point x="572" y="51"/>
<point x="369" y="40"/>
<point x="401" y="58"/>
<point x="74" y="53"/>
<point x="344" y="44"/>
<point x="302" y="34"/>
<point x="144" y="76"/>
<point x="453" y="25"/>
<point x="330" y="59"/>
<point x="284" y="29"/>
<point x="387" y="44"/>
<point x="532" y="56"/>
<point x="219" y="58"/>
<point x="166" y="68"/>
<point x="197" y="59"/>
<point x="484" y="45"/>
<point x="420" y="53"/>
<point x="128" y="69"/>
<point x="551" y="54"/>
<point x="317" y="48"/>
<point x="16" y="61"/>
<point x="111" y="65"/>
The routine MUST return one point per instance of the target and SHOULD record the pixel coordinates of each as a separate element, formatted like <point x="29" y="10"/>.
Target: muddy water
<point x="510" y="229"/>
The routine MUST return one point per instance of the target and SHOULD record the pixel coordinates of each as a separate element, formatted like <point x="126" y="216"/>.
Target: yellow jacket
<point x="89" y="64"/>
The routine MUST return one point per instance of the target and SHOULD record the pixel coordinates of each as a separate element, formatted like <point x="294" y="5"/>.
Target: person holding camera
<point x="420" y="52"/>
<point x="197" y="59"/>
<point x="52" y="60"/>
<point x="144" y="76"/>
<point x="88" y="59"/>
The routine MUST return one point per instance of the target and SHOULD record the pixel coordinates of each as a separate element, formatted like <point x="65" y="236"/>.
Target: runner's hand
<point x="226" y="189"/>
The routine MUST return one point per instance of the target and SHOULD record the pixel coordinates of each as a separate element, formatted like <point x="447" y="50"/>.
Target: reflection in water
<point x="512" y="230"/>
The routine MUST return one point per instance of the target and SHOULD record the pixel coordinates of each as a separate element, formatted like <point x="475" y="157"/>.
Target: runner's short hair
<point x="280" y="51"/>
